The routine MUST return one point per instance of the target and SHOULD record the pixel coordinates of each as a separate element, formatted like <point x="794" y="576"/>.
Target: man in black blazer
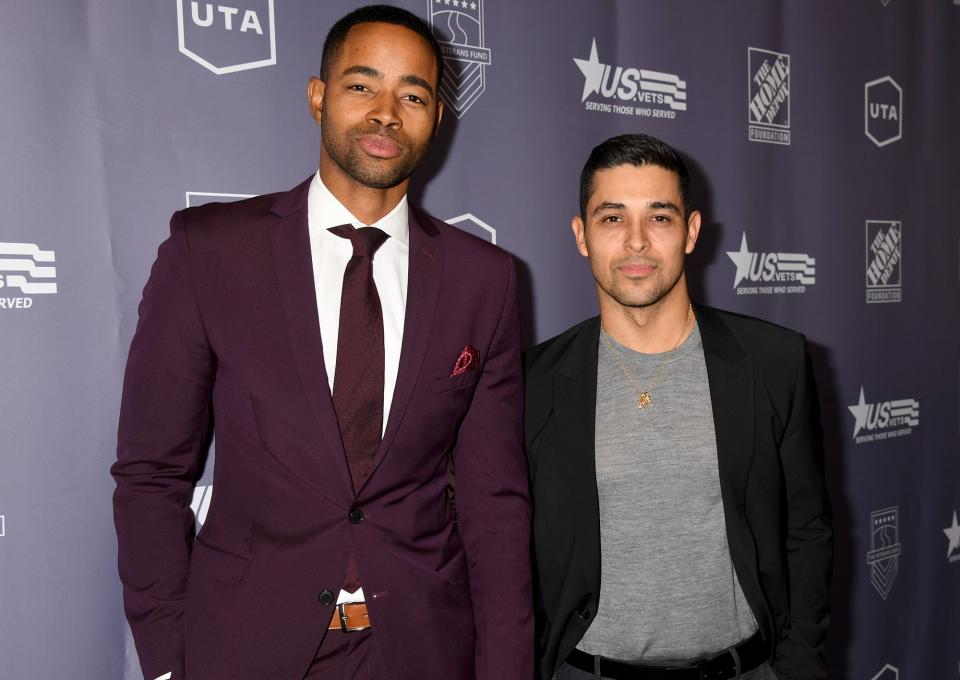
<point x="675" y="458"/>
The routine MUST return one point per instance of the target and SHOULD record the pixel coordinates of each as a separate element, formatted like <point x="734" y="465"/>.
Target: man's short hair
<point x="385" y="14"/>
<point x="634" y="150"/>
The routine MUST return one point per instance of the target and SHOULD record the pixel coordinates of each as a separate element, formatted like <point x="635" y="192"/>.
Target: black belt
<point x="750" y="654"/>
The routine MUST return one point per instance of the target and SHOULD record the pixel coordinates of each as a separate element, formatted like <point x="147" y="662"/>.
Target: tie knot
<point x="365" y="241"/>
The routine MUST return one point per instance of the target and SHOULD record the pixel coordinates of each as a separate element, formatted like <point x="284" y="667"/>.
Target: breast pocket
<point x="457" y="382"/>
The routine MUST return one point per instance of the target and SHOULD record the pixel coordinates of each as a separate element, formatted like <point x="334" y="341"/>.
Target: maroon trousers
<point x="343" y="656"/>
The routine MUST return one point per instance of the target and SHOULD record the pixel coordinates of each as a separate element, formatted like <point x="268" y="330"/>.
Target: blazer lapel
<point x="425" y="272"/>
<point x="290" y="242"/>
<point x="575" y="410"/>
<point x="730" y="376"/>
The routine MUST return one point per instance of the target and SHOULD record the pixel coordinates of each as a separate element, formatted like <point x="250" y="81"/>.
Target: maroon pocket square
<point x="467" y="361"/>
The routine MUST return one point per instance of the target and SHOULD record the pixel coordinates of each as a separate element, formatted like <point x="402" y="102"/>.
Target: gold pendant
<point x="644" y="401"/>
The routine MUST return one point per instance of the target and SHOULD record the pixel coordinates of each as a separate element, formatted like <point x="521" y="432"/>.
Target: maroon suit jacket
<point x="229" y="331"/>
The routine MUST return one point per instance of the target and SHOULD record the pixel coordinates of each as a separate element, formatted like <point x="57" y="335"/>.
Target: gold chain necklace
<point x="645" y="399"/>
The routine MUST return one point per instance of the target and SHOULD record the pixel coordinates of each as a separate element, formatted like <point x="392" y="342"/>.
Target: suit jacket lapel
<point x="425" y="272"/>
<point x="730" y="375"/>
<point x="575" y="409"/>
<point x="290" y="242"/>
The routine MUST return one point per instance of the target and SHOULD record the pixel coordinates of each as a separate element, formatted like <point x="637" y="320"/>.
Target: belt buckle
<point x="344" y="625"/>
<point x="719" y="667"/>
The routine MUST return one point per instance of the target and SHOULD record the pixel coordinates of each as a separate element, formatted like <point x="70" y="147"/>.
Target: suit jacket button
<point x="326" y="597"/>
<point x="583" y="613"/>
<point x="355" y="516"/>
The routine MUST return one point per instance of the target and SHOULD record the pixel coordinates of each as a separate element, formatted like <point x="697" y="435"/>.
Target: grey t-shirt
<point x="668" y="592"/>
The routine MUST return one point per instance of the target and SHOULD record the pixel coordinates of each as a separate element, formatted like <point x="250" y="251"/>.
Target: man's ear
<point x="315" y="90"/>
<point x="693" y="230"/>
<point x="436" y="123"/>
<point x="579" y="234"/>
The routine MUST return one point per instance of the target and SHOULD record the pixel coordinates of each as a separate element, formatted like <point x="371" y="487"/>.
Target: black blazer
<point x="770" y="452"/>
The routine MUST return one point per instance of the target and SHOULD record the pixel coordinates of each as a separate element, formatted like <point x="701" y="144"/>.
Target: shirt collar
<point x="327" y="211"/>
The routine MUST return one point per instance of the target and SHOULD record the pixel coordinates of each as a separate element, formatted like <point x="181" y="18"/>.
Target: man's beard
<point x="660" y="286"/>
<point x="376" y="174"/>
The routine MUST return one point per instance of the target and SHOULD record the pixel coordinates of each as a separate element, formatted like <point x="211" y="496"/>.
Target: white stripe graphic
<point x="30" y="288"/>
<point x="676" y="106"/>
<point x="663" y="77"/>
<point x="662" y="87"/>
<point x="30" y="249"/>
<point x="12" y="265"/>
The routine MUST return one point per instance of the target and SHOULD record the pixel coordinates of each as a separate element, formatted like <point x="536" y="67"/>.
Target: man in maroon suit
<point x="353" y="352"/>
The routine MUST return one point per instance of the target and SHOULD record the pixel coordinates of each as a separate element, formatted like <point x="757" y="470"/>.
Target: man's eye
<point x="663" y="219"/>
<point x="611" y="218"/>
<point x="357" y="87"/>
<point x="415" y="99"/>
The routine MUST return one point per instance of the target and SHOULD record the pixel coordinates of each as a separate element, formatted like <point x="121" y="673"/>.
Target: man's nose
<point x="385" y="111"/>
<point x="638" y="236"/>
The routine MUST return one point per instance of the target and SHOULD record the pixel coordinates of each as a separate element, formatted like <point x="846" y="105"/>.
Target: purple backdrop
<point x="822" y="137"/>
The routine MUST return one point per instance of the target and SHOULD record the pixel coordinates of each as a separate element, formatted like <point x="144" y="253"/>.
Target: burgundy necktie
<point x="358" y="379"/>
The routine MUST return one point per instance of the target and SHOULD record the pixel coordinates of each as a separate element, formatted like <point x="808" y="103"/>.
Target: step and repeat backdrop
<point x="822" y="137"/>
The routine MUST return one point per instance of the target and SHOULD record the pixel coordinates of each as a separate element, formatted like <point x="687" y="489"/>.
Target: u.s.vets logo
<point x="225" y="38"/>
<point x="883" y="419"/>
<point x="771" y="273"/>
<point x="458" y="26"/>
<point x="25" y="270"/>
<point x="884" y="239"/>
<point x="628" y="90"/>
<point x="885" y="549"/>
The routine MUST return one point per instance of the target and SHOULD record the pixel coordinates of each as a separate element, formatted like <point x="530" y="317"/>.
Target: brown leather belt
<point x="350" y="617"/>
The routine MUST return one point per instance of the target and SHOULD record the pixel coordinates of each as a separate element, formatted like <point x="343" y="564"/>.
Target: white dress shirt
<point x="330" y="254"/>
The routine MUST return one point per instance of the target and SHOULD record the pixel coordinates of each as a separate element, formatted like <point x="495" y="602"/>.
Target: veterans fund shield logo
<point x="883" y="111"/>
<point x="25" y="270"/>
<point x="952" y="533"/>
<point x="884" y="555"/>
<point x="768" y="96"/>
<point x="226" y="38"/>
<point x="630" y="91"/>
<point x="883" y="261"/>
<point x="458" y="27"/>
<point x="474" y="225"/>
<point x="778" y="273"/>
<point x="884" y="419"/>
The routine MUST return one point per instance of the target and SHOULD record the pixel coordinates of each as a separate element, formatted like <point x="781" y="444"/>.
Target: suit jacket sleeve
<point x="493" y="506"/>
<point x="164" y="422"/>
<point x="800" y="652"/>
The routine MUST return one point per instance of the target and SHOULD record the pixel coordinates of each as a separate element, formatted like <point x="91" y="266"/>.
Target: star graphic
<point x="473" y="5"/>
<point x="456" y="3"/>
<point x="953" y="533"/>
<point x="742" y="259"/>
<point x="592" y="71"/>
<point x="859" y="411"/>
